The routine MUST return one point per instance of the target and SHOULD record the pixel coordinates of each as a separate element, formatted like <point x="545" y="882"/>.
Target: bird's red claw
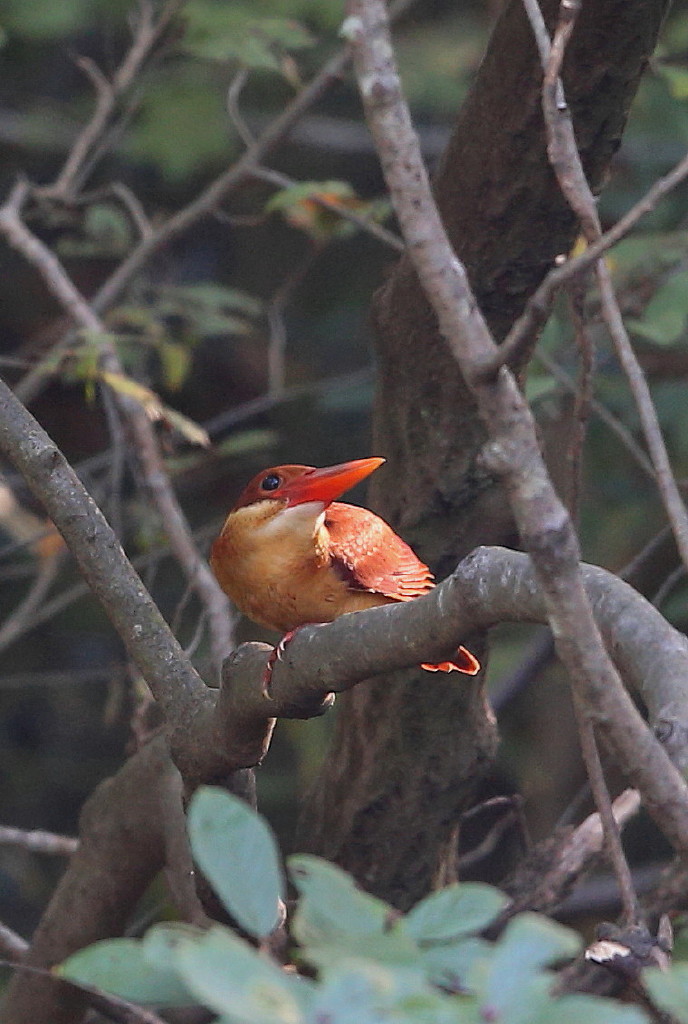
<point x="275" y="656"/>
<point x="465" y="662"/>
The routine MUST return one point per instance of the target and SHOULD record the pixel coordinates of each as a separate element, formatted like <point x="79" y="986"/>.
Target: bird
<point x="289" y="554"/>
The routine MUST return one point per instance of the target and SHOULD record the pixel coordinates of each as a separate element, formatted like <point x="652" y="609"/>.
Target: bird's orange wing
<point x="370" y="556"/>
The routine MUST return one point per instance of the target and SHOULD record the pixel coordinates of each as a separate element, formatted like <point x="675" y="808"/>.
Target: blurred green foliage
<point x="371" y="963"/>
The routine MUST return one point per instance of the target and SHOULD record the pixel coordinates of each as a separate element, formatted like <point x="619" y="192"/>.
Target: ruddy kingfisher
<point x="289" y="554"/>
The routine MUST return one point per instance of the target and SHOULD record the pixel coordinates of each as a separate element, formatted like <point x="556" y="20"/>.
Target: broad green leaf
<point x="669" y="990"/>
<point x="533" y="1003"/>
<point x="360" y="992"/>
<point x="236" y="850"/>
<point x="454" y="912"/>
<point x="223" y="32"/>
<point x="160" y="943"/>
<point x="335" y="918"/>
<point x="449" y="965"/>
<point x="508" y="979"/>
<point x="231" y="978"/>
<point x="575" y="1009"/>
<point x="119" y="967"/>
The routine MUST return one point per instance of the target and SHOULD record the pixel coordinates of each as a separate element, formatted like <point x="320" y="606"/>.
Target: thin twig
<point x="12" y="946"/>
<point x="539" y="305"/>
<point x="146" y="446"/>
<point x="672" y="580"/>
<point x="38" y="841"/>
<point x="603" y="803"/>
<point x="203" y="205"/>
<point x="147" y="33"/>
<point x="278" y="331"/>
<point x="601" y="411"/>
<point x="583" y="398"/>
<point x="233" y="109"/>
<point x="115" y="1008"/>
<point x="566" y="163"/>
<point x="22" y="617"/>
<point x="172" y="679"/>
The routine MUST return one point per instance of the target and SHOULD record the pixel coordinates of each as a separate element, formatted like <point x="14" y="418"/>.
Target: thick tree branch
<point x="513" y="453"/>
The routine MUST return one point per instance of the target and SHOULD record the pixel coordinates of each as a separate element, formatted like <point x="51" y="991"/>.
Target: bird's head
<point x="287" y="486"/>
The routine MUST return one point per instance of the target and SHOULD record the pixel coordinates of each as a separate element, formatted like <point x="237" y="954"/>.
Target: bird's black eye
<point x="271" y="482"/>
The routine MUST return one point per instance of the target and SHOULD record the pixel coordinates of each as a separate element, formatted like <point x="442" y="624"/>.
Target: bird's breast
<point x="279" y="572"/>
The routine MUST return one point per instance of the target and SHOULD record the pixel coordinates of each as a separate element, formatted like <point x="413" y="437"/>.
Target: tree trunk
<point x="408" y="752"/>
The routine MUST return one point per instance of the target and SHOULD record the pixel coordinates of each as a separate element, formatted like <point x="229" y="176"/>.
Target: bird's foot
<point x="275" y="656"/>
<point x="465" y="662"/>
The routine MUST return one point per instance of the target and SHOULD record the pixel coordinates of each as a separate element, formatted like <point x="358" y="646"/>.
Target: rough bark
<point x="390" y="793"/>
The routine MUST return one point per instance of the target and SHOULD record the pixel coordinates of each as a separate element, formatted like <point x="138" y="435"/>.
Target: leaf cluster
<point x="362" y="961"/>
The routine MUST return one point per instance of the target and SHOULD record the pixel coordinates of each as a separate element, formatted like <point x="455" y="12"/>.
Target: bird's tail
<point x="464" y="662"/>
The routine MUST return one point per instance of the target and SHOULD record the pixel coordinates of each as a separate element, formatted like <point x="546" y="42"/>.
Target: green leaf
<point x="450" y="965"/>
<point x="175" y="360"/>
<point x="160" y="943"/>
<point x="454" y="912"/>
<point x="231" y="978"/>
<point x="361" y="992"/>
<point x="669" y="990"/>
<point x="664" y="319"/>
<point x="236" y="850"/>
<point x="223" y="32"/>
<point x="118" y="966"/>
<point x="575" y="1009"/>
<point x="335" y="918"/>
<point x="295" y="194"/>
<point x="508" y="980"/>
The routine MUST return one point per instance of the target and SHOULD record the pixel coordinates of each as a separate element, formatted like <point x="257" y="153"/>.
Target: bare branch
<point x="146" y="35"/>
<point x="12" y="946"/>
<point x="172" y="679"/>
<point x="18" y="621"/>
<point x="539" y="305"/>
<point x="38" y="841"/>
<point x="513" y="452"/>
<point x="583" y="398"/>
<point x="608" y="418"/>
<point x="555" y="865"/>
<point x="147" y="450"/>
<point x="567" y="165"/>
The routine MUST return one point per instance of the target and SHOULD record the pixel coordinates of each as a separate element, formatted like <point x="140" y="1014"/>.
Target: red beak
<point x="329" y="483"/>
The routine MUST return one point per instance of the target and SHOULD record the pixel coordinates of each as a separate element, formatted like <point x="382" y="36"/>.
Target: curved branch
<point x="492" y="585"/>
